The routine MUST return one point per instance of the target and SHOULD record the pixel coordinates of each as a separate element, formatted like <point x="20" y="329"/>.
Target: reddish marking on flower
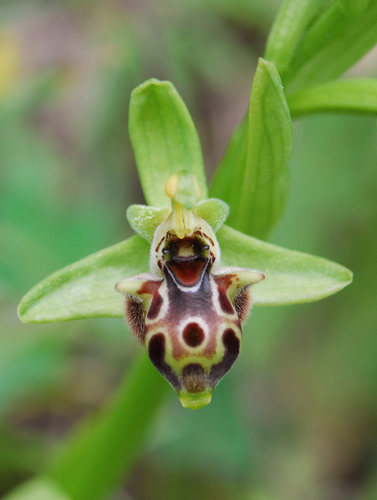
<point x="158" y="246"/>
<point x="223" y="283"/>
<point x="152" y="288"/>
<point x="187" y="271"/>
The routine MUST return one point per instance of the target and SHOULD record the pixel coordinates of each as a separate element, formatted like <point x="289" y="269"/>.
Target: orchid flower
<point x="187" y="280"/>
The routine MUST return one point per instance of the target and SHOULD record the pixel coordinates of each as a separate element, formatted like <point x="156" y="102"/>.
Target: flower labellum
<point x="188" y="311"/>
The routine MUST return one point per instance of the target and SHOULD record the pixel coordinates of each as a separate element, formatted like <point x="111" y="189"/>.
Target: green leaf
<point x="289" y="25"/>
<point x="86" y="289"/>
<point x="164" y="139"/>
<point x="38" y="489"/>
<point x="333" y="43"/>
<point x="352" y="8"/>
<point x="27" y="365"/>
<point x="254" y="181"/>
<point x="291" y="277"/>
<point x="144" y="220"/>
<point x="100" y="453"/>
<point x="345" y="95"/>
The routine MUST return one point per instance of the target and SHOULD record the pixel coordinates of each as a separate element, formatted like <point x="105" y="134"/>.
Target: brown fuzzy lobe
<point x="135" y="317"/>
<point x="242" y="303"/>
<point x="194" y="379"/>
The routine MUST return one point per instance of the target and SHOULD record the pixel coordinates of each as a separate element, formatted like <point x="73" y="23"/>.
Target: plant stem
<point x="97" y="457"/>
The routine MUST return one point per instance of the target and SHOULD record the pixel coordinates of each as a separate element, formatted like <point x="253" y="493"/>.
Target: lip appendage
<point x="188" y="312"/>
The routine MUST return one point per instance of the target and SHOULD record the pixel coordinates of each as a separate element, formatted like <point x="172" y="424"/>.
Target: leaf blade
<point x="86" y="289"/>
<point x="164" y="139"/>
<point x="359" y="95"/>
<point x="290" y="23"/>
<point x="321" y="57"/>
<point x="291" y="277"/>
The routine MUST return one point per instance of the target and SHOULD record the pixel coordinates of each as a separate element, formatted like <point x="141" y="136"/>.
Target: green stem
<point x="97" y="457"/>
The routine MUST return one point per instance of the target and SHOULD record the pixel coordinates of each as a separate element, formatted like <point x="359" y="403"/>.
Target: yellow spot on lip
<point x="195" y="401"/>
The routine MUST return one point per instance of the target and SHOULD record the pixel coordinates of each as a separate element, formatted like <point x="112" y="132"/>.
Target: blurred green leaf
<point x="286" y="32"/>
<point x="38" y="489"/>
<point x="254" y="183"/>
<point x="96" y="458"/>
<point x="359" y="96"/>
<point x="86" y="289"/>
<point x="164" y="139"/>
<point x="291" y="277"/>
<point x="331" y="45"/>
<point x="352" y="8"/>
<point x="26" y="365"/>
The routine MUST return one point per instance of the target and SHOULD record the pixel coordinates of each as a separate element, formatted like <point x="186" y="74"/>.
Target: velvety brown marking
<point x="152" y="288"/>
<point x="242" y="303"/>
<point x="155" y="306"/>
<point x="188" y="270"/>
<point x="193" y="378"/>
<point x="156" y="352"/>
<point x="223" y="283"/>
<point x="135" y="317"/>
<point x="193" y="335"/>
<point x="231" y="341"/>
<point x="232" y="350"/>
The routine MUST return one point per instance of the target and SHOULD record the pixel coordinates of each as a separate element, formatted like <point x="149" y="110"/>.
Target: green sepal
<point x="86" y="289"/>
<point x="164" y="139"/>
<point x="254" y="179"/>
<point x="358" y="96"/>
<point x="144" y="220"/>
<point x="290" y="277"/>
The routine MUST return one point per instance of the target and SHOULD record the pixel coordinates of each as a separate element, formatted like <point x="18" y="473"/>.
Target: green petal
<point x="213" y="211"/>
<point x="254" y="181"/>
<point x="358" y="96"/>
<point x="289" y="25"/>
<point x="164" y="139"/>
<point x="291" y="277"/>
<point x="144" y="220"/>
<point x="86" y="289"/>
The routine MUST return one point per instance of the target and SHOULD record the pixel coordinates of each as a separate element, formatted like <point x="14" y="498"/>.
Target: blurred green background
<point x="296" y="417"/>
